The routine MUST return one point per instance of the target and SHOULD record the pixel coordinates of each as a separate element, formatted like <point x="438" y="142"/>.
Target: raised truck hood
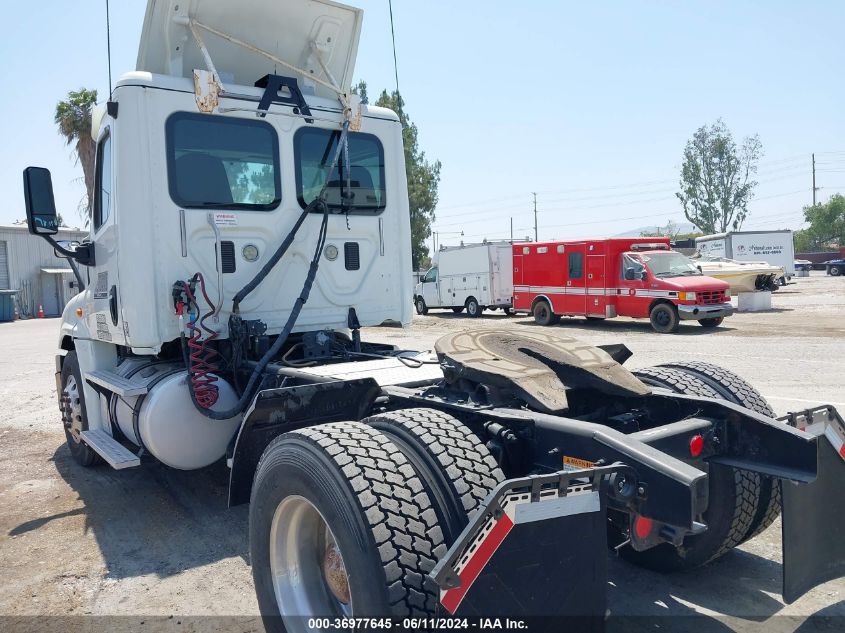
<point x="293" y="31"/>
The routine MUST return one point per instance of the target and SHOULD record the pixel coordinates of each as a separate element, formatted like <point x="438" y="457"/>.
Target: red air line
<point x="202" y="365"/>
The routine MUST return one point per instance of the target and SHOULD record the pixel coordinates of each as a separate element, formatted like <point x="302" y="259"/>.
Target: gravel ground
<point x="158" y="542"/>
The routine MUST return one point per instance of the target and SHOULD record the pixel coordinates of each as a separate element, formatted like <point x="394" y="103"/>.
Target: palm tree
<point x="73" y="117"/>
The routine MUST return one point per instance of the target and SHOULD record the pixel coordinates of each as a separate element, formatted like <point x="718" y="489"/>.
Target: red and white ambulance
<point x="638" y="277"/>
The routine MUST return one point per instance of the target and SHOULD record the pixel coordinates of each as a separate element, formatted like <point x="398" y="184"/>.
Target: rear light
<point x="643" y="527"/>
<point x="696" y="445"/>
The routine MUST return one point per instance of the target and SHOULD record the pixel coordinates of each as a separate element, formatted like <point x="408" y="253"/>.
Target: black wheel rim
<point x="661" y="317"/>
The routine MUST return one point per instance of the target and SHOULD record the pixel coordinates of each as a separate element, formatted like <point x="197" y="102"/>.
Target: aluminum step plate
<point x="117" y="455"/>
<point x="116" y="384"/>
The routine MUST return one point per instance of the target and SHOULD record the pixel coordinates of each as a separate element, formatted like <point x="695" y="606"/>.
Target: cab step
<point x="116" y="384"/>
<point x="115" y="453"/>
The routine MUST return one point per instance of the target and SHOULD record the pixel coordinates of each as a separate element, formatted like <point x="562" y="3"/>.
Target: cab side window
<point x="430" y="276"/>
<point x="576" y="265"/>
<point x="631" y="263"/>
<point x="103" y="183"/>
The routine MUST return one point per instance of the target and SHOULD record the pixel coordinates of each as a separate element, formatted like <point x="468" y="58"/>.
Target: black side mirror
<point x="41" y="215"/>
<point x="643" y="275"/>
<point x="630" y="274"/>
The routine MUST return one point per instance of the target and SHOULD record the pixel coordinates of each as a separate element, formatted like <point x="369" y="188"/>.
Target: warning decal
<point x="575" y="463"/>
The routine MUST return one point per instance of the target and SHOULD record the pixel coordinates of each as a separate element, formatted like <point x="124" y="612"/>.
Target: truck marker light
<point x="643" y="527"/>
<point x="696" y="445"/>
<point x="79" y="312"/>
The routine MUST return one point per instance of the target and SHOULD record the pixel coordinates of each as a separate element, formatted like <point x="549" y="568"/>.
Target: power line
<point x="108" y="46"/>
<point x="393" y="39"/>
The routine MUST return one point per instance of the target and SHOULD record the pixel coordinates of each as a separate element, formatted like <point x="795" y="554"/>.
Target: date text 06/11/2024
<point x="412" y="624"/>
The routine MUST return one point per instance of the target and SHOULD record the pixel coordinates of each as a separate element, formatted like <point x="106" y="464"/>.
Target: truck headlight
<point x="728" y="293"/>
<point x="686" y="296"/>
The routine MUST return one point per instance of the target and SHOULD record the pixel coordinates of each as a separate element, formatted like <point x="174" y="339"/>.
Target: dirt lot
<point x="158" y="542"/>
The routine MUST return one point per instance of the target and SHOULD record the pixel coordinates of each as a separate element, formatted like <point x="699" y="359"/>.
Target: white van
<point x="471" y="276"/>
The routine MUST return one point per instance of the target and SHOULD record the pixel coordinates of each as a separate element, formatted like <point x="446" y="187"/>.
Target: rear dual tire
<point x="741" y="503"/>
<point x="352" y="480"/>
<point x="391" y="492"/>
<point x="456" y="469"/>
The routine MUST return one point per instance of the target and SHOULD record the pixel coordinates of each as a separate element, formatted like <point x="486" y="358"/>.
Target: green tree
<point x="827" y="226"/>
<point x="423" y="176"/>
<point x="73" y="116"/>
<point x="360" y="89"/>
<point x="717" y="178"/>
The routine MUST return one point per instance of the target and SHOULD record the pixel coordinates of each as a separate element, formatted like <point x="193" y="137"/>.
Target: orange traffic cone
<point x="40" y="311"/>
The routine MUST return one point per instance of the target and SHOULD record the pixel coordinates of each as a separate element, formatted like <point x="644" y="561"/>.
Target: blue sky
<point x="587" y="103"/>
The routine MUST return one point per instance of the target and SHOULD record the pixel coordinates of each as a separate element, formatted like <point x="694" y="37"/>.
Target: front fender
<point x="73" y="326"/>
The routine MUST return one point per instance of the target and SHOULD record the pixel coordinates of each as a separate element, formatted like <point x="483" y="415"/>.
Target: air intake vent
<point x="227" y="249"/>
<point x="351" y="255"/>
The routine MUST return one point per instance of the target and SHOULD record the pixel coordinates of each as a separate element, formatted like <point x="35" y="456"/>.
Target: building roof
<point x="62" y="229"/>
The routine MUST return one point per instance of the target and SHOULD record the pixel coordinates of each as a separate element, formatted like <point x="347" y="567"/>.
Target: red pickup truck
<point x="601" y="279"/>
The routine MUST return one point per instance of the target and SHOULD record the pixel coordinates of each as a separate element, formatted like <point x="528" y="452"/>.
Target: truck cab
<point x="601" y="279"/>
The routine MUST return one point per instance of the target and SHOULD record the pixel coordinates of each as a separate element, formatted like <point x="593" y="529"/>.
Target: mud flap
<point x="538" y="548"/>
<point x="813" y="517"/>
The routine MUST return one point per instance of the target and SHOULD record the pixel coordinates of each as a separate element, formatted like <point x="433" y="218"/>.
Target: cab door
<point x="431" y="288"/>
<point x="632" y="300"/>
<point x="575" y="292"/>
<point x="104" y="318"/>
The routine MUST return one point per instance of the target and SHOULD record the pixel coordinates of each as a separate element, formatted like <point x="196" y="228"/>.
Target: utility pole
<point x="534" y="193"/>
<point x="814" y="180"/>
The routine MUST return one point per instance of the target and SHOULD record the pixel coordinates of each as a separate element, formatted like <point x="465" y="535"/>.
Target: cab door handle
<point x="113" y="304"/>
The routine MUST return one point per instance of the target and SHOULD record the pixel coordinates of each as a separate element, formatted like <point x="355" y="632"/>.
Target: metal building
<point x="28" y="265"/>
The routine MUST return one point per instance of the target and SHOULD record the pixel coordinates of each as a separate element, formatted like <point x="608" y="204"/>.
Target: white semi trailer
<point x="247" y="225"/>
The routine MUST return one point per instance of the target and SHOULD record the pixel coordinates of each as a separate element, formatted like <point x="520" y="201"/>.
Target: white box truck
<point x="773" y="247"/>
<point x="471" y="276"/>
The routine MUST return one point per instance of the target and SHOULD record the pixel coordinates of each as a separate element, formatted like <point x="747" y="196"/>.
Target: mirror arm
<point x="84" y="253"/>
<point x="76" y="274"/>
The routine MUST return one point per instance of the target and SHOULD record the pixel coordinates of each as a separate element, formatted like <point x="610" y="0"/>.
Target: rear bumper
<point x="698" y="312"/>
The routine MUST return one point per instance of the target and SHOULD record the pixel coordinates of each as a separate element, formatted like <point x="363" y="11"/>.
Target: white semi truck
<point x="474" y="277"/>
<point x="250" y="219"/>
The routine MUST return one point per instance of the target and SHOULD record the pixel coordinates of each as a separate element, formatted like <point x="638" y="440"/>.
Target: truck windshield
<point x="222" y="162"/>
<point x="669" y="264"/>
<point x="360" y="190"/>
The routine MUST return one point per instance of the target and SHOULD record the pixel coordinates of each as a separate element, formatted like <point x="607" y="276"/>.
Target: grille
<point x="710" y="297"/>
<point x="351" y="255"/>
<point x="227" y="251"/>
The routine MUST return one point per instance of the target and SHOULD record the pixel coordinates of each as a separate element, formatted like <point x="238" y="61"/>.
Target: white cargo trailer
<point x="471" y="276"/>
<point x="773" y="247"/>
